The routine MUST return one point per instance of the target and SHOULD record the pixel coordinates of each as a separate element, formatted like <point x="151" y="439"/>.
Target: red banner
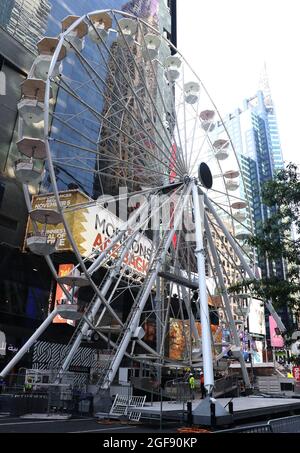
<point x="296" y="373"/>
<point x="60" y="297"/>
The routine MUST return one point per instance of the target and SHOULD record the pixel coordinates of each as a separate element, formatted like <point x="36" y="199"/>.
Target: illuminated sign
<point x="256" y="318"/>
<point x="276" y="339"/>
<point x="60" y="296"/>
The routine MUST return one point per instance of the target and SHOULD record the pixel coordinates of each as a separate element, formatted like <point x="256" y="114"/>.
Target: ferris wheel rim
<point x="46" y="126"/>
<point x="170" y="44"/>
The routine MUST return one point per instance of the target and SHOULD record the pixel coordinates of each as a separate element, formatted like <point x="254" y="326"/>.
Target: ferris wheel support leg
<point x="204" y="310"/>
<point x="144" y="297"/>
<point x="158" y="307"/>
<point x="29" y="343"/>
<point x="95" y="309"/>
<point x="226" y="302"/>
<point x="84" y="329"/>
<point x="246" y="266"/>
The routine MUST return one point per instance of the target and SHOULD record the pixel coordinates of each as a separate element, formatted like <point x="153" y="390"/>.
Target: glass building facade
<point x="157" y="13"/>
<point x="254" y="132"/>
<point x="25" y="20"/>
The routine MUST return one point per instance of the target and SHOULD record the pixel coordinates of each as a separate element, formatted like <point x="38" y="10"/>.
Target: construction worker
<point x="28" y="385"/>
<point x="203" y="390"/>
<point x="192" y="384"/>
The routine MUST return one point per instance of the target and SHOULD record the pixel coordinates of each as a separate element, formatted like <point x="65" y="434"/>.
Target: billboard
<point x="98" y="229"/>
<point x="92" y="228"/>
<point x="75" y="219"/>
<point x="60" y="297"/>
<point x="180" y="338"/>
<point x="256" y="318"/>
<point x="276" y="340"/>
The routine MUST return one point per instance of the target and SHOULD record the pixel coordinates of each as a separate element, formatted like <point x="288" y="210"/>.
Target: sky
<point x="227" y="43"/>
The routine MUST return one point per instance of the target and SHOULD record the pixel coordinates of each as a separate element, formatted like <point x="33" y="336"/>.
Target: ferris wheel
<point x="112" y="109"/>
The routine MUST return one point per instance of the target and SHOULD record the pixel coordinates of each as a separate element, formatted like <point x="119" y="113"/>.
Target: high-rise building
<point x="25" y="20"/>
<point x="254" y="132"/>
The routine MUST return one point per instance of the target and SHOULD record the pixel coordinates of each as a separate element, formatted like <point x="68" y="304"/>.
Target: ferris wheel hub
<point x="186" y="179"/>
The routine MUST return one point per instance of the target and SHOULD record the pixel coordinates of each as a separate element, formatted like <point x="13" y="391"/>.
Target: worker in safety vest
<point x="28" y="386"/>
<point x="192" y="384"/>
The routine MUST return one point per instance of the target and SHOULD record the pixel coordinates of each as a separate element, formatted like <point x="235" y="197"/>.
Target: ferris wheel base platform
<point x="244" y="408"/>
<point x="202" y="414"/>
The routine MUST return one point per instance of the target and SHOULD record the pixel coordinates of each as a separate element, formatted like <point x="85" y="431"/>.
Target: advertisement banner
<point x="92" y="228"/>
<point x="257" y="325"/>
<point x="60" y="297"/>
<point x="296" y="373"/>
<point x="2" y="343"/>
<point x="75" y="218"/>
<point x="98" y="229"/>
<point x="257" y="351"/>
<point x="179" y="338"/>
<point x="276" y="340"/>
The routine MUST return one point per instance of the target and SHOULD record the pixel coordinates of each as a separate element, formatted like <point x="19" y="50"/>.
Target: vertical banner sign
<point x="60" y="297"/>
<point x="296" y="373"/>
<point x="276" y="340"/>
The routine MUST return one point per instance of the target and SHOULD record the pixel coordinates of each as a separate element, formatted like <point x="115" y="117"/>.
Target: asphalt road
<point x="74" y="425"/>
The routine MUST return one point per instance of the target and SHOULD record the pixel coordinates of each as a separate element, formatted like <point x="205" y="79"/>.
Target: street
<point x="74" y="425"/>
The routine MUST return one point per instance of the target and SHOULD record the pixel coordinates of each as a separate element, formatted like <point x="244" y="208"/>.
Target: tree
<point x="279" y="238"/>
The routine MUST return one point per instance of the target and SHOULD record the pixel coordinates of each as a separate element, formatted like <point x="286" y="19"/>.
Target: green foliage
<point x="274" y="240"/>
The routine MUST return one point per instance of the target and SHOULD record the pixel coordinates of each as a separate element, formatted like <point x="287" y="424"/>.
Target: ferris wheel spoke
<point x="228" y="255"/>
<point x="116" y="128"/>
<point x="161" y="98"/>
<point x="138" y="157"/>
<point x="72" y="128"/>
<point x="177" y="135"/>
<point x="118" y="99"/>
<point x="226" y="302"/>
<point x="150" y="98"/>
<point x="222" y="208"/>
<point x="141" y="105"/>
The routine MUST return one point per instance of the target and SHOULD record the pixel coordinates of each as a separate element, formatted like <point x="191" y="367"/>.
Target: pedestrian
<point x="192" y="385"/>
<point x="203" y="390"/>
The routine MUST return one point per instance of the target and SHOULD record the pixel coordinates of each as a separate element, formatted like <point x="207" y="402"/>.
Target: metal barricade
<point x="285" y="424"/>
<point x="225" y="385"/>
<point x="248" y="429"/>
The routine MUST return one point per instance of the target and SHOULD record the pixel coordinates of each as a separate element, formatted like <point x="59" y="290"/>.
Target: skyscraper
<point x="25" y="20"/>
<point x="254" y="132"/>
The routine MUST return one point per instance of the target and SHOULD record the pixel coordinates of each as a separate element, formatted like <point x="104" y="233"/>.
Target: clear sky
<point x="227" y="42"/>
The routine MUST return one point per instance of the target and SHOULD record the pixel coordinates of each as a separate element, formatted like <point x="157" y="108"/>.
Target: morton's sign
<point x="100" y="227"/>
<point x="92" y="228"/>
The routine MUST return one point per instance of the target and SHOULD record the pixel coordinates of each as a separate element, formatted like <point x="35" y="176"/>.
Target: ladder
<point x="123" y="406"/>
